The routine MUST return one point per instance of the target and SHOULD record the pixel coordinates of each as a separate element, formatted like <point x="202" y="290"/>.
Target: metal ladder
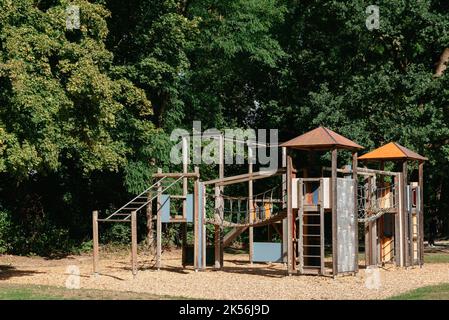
<point x="139" y="202"/>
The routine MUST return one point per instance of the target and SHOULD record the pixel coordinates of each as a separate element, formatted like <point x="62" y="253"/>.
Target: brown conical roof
<point x="321" y="138"/>
<point x="392" y="151"/>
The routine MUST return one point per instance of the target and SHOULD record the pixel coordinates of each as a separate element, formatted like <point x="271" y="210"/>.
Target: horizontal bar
<point x="113" y="220"/>
<point x="245" y="177"/>
<point x="176" y="175"/>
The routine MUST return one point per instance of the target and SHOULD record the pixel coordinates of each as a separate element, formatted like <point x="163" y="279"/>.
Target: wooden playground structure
<point x="316" y="212"/>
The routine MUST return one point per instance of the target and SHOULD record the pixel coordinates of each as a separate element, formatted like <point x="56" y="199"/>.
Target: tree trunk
<point x="442" y="64"/>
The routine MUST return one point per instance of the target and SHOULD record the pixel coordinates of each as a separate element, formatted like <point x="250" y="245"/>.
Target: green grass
<point x="437" y="292"/>
<point x="437" y="257"/>
<point x="36" y="292"/>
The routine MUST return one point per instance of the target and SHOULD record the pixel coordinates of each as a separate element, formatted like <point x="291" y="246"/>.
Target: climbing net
<point x="375" y="201"/>
<point x="242" y="211"/>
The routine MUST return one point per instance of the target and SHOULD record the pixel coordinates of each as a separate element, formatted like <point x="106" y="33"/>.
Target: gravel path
<point x="238" y="280"/>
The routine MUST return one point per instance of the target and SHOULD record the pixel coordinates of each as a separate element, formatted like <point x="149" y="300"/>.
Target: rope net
<point x="374" y="201"/>
<point x="243" y="211"/>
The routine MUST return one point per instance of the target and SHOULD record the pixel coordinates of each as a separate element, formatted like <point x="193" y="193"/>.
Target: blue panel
<point x="165" y="208"/>
<point x="267" y="252"/>
<point x="316" y="192"/>
<point x="189" y="203"/>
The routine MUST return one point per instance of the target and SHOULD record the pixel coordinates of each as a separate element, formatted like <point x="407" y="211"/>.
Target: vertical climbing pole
<point x="334" y="213"/>
<point x="421" y="212"/>
<point x="356" y="210"/>
<point x="290" y="219"/>
<point x="134" y="242"/>
<point x="250" y="203"/>
<point x="95" y="241"/>
<point x="159" y="224"/>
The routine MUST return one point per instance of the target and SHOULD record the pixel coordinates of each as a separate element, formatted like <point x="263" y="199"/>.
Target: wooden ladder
<point x="311" y="232"/>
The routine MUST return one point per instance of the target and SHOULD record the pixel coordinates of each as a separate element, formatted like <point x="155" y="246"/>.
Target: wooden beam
<point x="290" y="218"/>
<point x="364" y="171"/>
<point x="245" y="177"/>
<point x="221" y="164"/>
<point x="284" y="191"/>
<point x="356" y="211"/>
<point x="217" y="229"/>
<point x="322" y="255"/>
<point x="176" y="175"/>
<point x="397" y="223"/>
<point x="405" y="217"/>
<point x="421" y="212"/>
<point x="185" y="169"/>
<point x="196" y="215"/>
<point x="334" y="214"/>
<point x="250" y="204"/>
<point x="95" y="241"/>
<point x="159" y="225"/>
<point x="134" y="242"/>
<point x="301" y="225"/>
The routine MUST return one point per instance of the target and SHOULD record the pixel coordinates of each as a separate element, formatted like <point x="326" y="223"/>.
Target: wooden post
<point x="290" y="230"/>
<point x="134" y="242"/>
<point x="284" y="222"/>
<point x="217" y="229"/>
<point x="301" y="225"/>
<point x="95" y="241"/>
<point x="356" y="210"/>
<point x="221" y="154"/>
<point x="322" y="254"/>
<point x="196" y="215"/>
<point x="219" y="210"/>
<point x="405" y="216"/>
<point x="421" y="212"/>
<point x="199" y="229"/>
<point x="250" y="205"/>
<point x="397" y="222"/>
<point x="185" y="169"/>
<point x="368" y="226"/>
<point x="159" y="225"/>
<point x="334" y="214"/>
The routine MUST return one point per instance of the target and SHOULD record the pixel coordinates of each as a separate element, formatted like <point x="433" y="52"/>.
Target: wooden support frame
<point x="290" y="219"/>
<point x="159" y="225"/>
<point x="421" y="212"/>
<point x="334" y="213"/>
<point x="301" y="225"/>
<point x="322" y="255"/>
<point x="96" y="250"/>
<point x="134" y="242"/>
<point x="245" y="177"/>
<point x="398" y="223"/>
<point x="250" y="204"/>
<point x="405" y="215"/>
<point x="356" y="212"/>
<point x="284" y="192"/>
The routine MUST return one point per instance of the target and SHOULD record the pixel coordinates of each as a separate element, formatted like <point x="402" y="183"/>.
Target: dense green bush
<point x="41" y="237"/>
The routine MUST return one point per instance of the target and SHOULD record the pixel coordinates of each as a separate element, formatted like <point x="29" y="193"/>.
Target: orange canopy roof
<point x="321" y="139"/>
<point x="392" y="151"/>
